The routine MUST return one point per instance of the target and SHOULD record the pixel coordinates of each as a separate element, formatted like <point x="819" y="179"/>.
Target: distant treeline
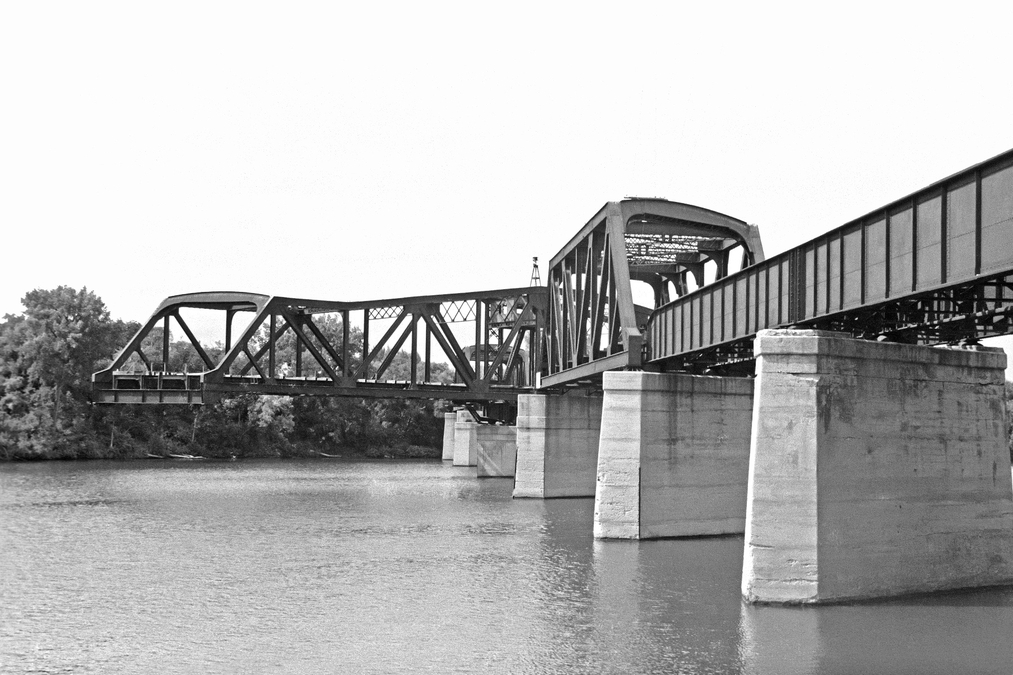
<point x="47" y="356"/>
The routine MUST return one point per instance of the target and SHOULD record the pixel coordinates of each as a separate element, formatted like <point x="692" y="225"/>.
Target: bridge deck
<point x="129" y="387"/>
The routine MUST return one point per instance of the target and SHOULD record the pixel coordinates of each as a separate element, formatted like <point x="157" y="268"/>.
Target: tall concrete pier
<point x="674" y="455"/>
<point x="876" y="469"/>
<point x="465" y="439"/>
<point x="557" y="445"/>
<point x="497" y="451"/>
<point x="449" y="422"/>
<point x="492" y="448"/>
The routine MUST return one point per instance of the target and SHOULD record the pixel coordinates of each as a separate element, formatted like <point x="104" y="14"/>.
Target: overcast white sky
<point x="372" y="150"/>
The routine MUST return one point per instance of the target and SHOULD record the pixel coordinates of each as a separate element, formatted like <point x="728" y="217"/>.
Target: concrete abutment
<point x="496" y="450"/>
<point x="492" y="448"/>
<point x="449" y="421"/>
<point x="557" y="445"/>
<point x="876" y="469"/>
<point x="465" y="439"/>
<point x="673" y="458"/>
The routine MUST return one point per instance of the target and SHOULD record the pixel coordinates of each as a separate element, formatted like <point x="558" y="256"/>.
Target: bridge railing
<point x="933" y="267"/>
<point x="297" y="346"/>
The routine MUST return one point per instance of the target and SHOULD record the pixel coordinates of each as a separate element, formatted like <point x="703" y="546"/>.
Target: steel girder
<point x="963" y="314"/>
<point x="934" y="267"/>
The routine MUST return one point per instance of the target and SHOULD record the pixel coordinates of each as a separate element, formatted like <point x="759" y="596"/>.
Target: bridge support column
<point x="497" y="450"/>
<point x="674" y="455"/>
<point x="876" y="469"/>
<point x="449" y="421"/>
<point x="465" y="439"/>
<point x="557" y="445"/>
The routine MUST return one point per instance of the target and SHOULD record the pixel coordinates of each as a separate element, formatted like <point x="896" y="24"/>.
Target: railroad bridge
<point x="831" y="402"/>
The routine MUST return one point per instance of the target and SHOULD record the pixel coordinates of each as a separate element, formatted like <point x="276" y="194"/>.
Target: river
<point x="335" y="566"/>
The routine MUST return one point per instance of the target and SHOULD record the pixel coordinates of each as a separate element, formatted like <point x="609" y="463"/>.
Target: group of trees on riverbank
<point x="47" y="356"/>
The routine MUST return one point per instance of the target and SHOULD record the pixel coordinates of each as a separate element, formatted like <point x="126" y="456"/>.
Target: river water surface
<point x="333" y="566"/>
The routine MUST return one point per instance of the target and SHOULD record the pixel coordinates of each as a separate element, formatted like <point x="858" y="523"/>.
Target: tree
<point x="67" y="333"/>
<point x="47" y="356"/>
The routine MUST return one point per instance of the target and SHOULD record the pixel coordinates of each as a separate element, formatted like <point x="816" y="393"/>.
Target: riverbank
<point x="160" y="448"/>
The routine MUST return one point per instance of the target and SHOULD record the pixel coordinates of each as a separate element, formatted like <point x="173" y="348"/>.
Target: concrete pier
<point x="449" y="421"/>
<point x="557" y="445"/>
<point x="876" y="469"/>
<point x="465" y="439"/>
<point x="497" y="450"/>
<point x="673" y="460"/>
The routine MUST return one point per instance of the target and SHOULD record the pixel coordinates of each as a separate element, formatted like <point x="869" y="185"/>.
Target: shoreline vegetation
<point x="47" y="356"/>
<point x="48" y="353"/>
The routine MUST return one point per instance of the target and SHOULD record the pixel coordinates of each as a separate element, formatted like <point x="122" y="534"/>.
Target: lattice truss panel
<point x="459" y="311"/>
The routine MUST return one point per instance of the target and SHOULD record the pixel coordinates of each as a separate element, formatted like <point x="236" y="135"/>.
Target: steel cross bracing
<point x="333" y="348"/>
<point x="934" y="267"/>
<point x="594" y="324"/>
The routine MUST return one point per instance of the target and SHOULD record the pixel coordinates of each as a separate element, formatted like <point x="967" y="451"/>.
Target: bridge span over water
<point x="831" y="403"/>
<point x="933" y="267"/>
<point x="497" y="343"/>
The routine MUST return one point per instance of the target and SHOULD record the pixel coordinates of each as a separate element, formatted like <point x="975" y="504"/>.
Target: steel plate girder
<point x="896" y="273"/>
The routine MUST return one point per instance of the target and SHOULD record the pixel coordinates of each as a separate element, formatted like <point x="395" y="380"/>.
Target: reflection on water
<point x="379" y="567"/>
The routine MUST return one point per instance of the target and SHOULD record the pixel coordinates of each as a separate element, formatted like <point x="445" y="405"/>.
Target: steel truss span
<point x="932" y="268"/>
<point x="505" y="328"/>
<point x="594" y="324"/>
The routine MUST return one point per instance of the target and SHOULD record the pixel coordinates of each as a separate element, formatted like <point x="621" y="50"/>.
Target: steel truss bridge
<point x="329" y="360"/>
<point x="933" y="267"/>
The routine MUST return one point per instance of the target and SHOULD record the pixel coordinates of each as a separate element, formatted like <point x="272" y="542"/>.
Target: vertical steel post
<point x="977" y="223"/>
<point x="165" y="343"/>
<point x="861" y="269"/>
<point x="414" y="360"/>
<point x="298" y="357"/>
<point x="944" y="242"/>
<point x="229" y="314"/>
<point x="478" y="336"/>
<point x="914" y="244"/>
<point x="486" y="318"/>
<point x="270" y="351"/>
<point x="344" y="343"/>
<point x="365" y="342"/>
<point x="887" y="266"/>
<point x="428" y="376"/>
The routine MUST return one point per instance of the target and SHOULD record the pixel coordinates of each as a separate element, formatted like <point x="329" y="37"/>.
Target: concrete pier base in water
<point x="673" y="460"/>
<point x="497" y="450"/>
<point x="557" y="445"/>
<point x="449" y="420"/>
<point x="876" y="469"/>
<point x="465" y="439"/>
